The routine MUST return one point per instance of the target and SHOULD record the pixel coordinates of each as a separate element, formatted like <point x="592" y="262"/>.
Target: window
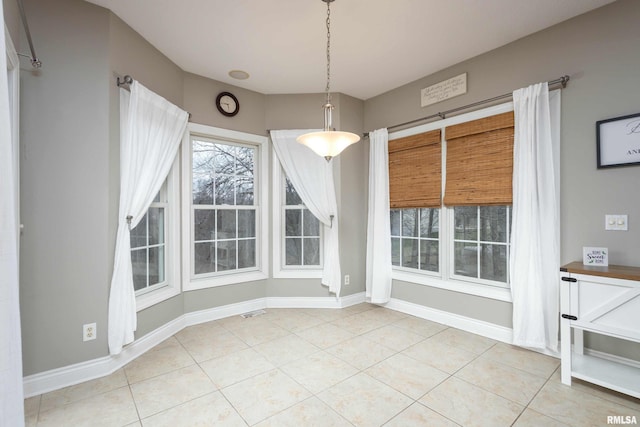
<point x="155" y="252"/>
<point x="415" y="239"/>
<point x="225" y="210"/>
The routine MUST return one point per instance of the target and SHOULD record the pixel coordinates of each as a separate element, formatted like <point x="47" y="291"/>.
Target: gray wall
<point x="12" y="20"/>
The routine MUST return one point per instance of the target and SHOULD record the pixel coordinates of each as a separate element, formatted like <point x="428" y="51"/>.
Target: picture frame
<point x="618" y="141"/>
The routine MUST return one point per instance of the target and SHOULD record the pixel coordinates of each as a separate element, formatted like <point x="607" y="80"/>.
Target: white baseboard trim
<point x="65" y="376"/>
<point x="479" y="327"/>
<point x="612" y="357"/>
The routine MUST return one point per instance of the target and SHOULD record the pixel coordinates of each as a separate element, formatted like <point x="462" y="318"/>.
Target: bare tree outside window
<point x="415" y="235"/>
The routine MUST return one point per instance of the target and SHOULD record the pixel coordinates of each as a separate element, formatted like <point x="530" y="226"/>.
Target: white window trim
<point x="444" y="279"/>
<point x="261" y="272"/>
<point x="171" y="285"/>
<point x="278" y="268"/>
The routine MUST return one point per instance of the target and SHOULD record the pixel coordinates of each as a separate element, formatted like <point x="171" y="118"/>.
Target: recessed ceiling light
<point x="239" y="74"/>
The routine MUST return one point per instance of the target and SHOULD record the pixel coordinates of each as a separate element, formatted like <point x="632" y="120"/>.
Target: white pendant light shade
<point x="328" y="144"/>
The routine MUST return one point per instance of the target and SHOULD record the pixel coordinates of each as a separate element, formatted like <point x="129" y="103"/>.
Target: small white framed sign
<point x="449" y="88"/>
<point x="595" y="256"/>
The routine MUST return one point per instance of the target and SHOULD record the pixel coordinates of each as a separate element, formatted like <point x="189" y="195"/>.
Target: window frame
<point x="279" y="269"/>
<point x="148" y="297"/>
<point x="445" y="279"/>
<point x="191" y="281"/>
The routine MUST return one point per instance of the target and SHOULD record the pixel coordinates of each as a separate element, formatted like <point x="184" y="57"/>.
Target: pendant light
<point x="328" y="143"/>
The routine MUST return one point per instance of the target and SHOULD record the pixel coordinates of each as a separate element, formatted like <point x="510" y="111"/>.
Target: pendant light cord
<point x="328" y="50"/>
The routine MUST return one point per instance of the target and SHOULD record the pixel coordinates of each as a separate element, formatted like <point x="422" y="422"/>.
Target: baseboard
<point x="65" y="376"/>
<point x="479" y="327"/>
<point x="612" y="357"/>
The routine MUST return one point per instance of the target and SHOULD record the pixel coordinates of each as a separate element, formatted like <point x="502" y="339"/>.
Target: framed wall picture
<point x="618" y="141"/>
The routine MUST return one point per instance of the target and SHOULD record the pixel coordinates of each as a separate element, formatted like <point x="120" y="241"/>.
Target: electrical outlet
<point x="346" y="279"/>
<point x="89" y="332"/>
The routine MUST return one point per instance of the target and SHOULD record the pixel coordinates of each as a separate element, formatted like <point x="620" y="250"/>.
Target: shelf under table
<point x="606" y="373"/>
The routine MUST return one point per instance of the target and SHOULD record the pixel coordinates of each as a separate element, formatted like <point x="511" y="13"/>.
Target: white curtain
<point x="312" y="177"/>
<point x="535" y="249"/>
<point x="151" y="129"/>
<point x="11" y="388"/>
<point x="378" y="277"/>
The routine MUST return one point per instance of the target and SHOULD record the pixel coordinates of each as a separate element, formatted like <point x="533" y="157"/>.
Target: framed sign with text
<point x="618" y="141"/>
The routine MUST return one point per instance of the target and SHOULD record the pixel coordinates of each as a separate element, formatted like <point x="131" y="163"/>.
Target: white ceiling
<point x="376" y="45"/>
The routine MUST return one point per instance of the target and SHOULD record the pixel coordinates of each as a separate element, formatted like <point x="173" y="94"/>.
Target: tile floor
<point x="359" y="366"/>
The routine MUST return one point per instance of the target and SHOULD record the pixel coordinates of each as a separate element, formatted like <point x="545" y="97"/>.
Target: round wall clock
<point x="227" y="104"/>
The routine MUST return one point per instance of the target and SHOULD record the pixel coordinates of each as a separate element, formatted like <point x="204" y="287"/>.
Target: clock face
<point x="227" y="104"/>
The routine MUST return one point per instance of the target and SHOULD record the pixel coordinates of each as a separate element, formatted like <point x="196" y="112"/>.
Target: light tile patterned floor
<point x="359" y="366"/>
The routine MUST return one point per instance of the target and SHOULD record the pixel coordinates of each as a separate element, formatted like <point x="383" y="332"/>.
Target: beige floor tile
<point x="418" y="415"/>
<point x="114" y="408"/>
<point x="521" y="358"/>
<point x="359" y="323"/>
<point x="469" y="405"/>
<point x="168" y="390"/>
<point x="293" y="320"/>
<point x="441" y="356"/>
<point x="503" y="380"/>
<point x="83" y="390"/>
<point x="264" y="395"/>
<point x="309" y="413"/>
<point x="575" y="407"/>
<point x="235" y="367"/>
<point x="423" y="327"/>
<point x="32" y="405"/>
<point x="325" y="335"/>
<point x="286" y="349"/>
<point x="327" y="314"/>
<point x="531" y="418"/>
<point x="358" y="308"/>
<point x="365" y="401"/>
<point x="319" y="371"/>
<point x="386" y="315"/>
<point x="165" y="357"/>
<point x="232" y="323"/>
<point x="465" y="340"/>
<point x="215" y="346"/>
<point x="258" y="333"/>
<point x="407" y="375"/>
<point x="361" y="352"/>
<point x="393" y="337"/>
<point x="209" y="410"/>
<point x="203" y="331"/>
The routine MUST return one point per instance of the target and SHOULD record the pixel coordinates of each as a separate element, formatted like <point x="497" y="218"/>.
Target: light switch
<point x="616" y="222"/>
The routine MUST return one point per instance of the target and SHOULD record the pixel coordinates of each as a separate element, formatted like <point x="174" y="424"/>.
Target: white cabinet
<point x="603" y="300"/>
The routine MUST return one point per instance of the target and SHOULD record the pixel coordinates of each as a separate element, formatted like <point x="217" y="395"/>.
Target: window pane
<point x="246" y="253"/>
<point x="466" y="222"/>
<point x="224" y="159"/>
<point x="395" y="251"/>
<point x="311" y="251"/>
<point x="244" y="161"/>
<point x="293" y="222"/>
<point x="429" y="255"/>
<point x="395" y="222"/>
<point x="156" y="226"/>
<point x="139" y="267"/>
<point x="138" y="235"/>
<point x="224" y="189"/>
<point x="246" y="223"/>
<point x="202" y="189"/>
<point x="429" y="224"/>
<point x="202" y="164"/>
<point x="204" y="258"/>
<point x="291" y="195"/>
<point x="410" y="253"/>
<point x="226" y="227"/>
<point x="409" y="223"/>
<point x="244" y="191"/>
<point x="466" y="259"/>
<point x="293" y="251"/>
<point x="204" y="222"/>
<point x="226" y="255"/>
<point x="311" y="224"/>
<point x="493" y="223"/>
<point x="493" y="262"/>
<point x="156" y="265"/>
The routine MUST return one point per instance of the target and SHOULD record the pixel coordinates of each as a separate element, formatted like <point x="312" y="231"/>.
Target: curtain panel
<point x="312" y="177"/>
<point x="151" y="129"/>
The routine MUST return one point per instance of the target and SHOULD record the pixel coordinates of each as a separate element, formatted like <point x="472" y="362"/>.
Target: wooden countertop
<point x="613" y="271"/>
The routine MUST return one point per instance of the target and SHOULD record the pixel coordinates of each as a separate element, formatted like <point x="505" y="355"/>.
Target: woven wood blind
<point x="480" y="162"/>
<point x="415" y="178"/>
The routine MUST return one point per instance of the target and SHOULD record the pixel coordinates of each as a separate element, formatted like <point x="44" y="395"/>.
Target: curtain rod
<point x="35" y="62"/>
<point x="442" y="115"/>
<point x="126" y="81"/>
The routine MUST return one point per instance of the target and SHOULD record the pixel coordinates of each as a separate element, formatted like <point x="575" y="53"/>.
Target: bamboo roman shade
<point x="480" y="162"/>
<point x="415" y="179"/>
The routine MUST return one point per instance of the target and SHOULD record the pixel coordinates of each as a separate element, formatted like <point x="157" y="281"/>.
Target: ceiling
<point x="376" y="45"/>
